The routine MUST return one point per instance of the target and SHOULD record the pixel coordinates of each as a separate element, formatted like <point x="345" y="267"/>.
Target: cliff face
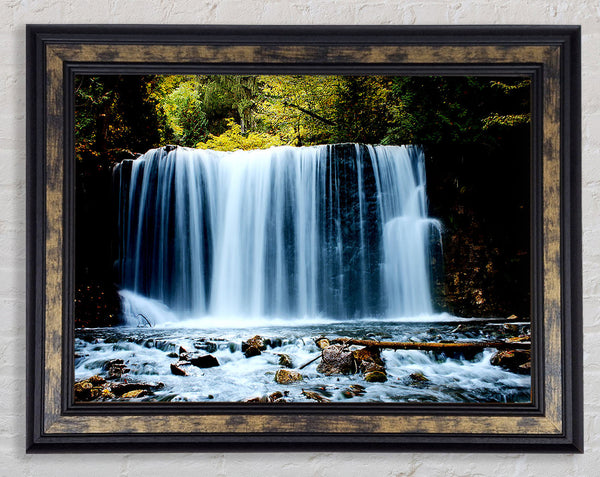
<point x="482" y="198"/>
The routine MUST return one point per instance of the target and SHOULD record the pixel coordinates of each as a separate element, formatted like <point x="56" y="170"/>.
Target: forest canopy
<point x="117" y="116"/>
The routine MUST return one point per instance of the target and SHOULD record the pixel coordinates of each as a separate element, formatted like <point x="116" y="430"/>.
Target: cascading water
<point x="338" y="231"/>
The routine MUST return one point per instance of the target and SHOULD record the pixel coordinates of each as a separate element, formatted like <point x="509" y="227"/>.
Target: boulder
<point x="119" y="389"/>
<point x="254" y="346"/>
<point x="287" y="376"/>
<point x="255" y="342"/>
<point x="178" y="371"/>
<point x="336" y="359"/>
<point x="285" y="360"/>
<point x="206" y="361"/>
<point x="315" y="396"/>
<point x="517" y="361"/>
<point x="368" y="359"/>
<point x="418" y="378"/>
<point x="251" y="351"/>
<point x="353" y="390"/>
<point x="135" y="393"/>
<point x="115" y="368"/>
<point x="376" y="377"/>
<point x="322" y="343"/>
<point x="89" y="389"/>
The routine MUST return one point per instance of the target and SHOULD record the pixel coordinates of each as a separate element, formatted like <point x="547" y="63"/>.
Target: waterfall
<point x="338" y="231"/>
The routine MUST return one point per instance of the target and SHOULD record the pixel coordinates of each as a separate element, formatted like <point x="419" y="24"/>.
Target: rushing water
<point x="450" y="379"/>
<point x="291" y="244"/>
<point x="339" y="231"/>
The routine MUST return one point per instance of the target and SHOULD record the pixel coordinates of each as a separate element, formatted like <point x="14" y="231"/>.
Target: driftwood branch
<point x="311" y="361"/>
<point x="457" y="346"/>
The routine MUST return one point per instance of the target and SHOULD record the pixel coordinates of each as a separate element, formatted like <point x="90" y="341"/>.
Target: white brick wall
<point x="14" y="14"/>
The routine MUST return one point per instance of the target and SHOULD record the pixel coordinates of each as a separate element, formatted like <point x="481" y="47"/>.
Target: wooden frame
<point x="549" y="55"/>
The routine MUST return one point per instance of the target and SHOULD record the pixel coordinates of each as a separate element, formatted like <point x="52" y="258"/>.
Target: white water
<point x="145" y="351"/>
<point x="324" y="232"/>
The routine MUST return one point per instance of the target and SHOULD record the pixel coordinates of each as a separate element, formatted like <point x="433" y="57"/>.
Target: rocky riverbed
<point x="278" y="364"/>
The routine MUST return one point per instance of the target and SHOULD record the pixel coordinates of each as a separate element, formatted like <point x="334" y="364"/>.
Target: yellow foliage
<point x="233" y="139"/>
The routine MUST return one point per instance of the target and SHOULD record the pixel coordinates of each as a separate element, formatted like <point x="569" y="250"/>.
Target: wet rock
<point x="353" y="390"/>
<point x="251" y="351"/>
<point x="418" y="378"/>
<point x="115" y="368"/>
<point x="336" y="359"/>
<point x="254" y="346"/>
<point x="287" y="376"/>
<point x="122" y="388"/>
<point x="322" y="343"/>
<point x="208" y="346"/>
<point x="182" y="350"/>
<point x="376" y="377"/>
<point x="256" y="342"/>
<point x="206" y="361"/>
<point x="285" y="360"/>
<point x="314" y="396"/>
<point x="135" y="393"/>
<point x="517" y="361"/>
<point x="97" y="380"/>
<point x="178" y="371"/>
<point x="368" y="359"/>
<point x="89" y="389"/>
<point x="172" y="355"/>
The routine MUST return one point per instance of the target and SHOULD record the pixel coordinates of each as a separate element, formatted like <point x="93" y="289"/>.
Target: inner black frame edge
<point x="69" y="407"/>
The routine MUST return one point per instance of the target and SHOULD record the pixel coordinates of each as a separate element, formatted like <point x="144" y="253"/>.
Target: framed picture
<point x="293" y="238"/>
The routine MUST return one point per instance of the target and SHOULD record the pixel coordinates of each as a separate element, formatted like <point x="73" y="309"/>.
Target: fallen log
<point x="436" y="346"/>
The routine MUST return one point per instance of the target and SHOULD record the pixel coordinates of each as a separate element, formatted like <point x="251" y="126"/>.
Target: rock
<point x="177" y="371"/>
<point x="512" y="317"/>
<point x="254" y="346"/>
<point x="287" y="376"/>
<point x="376" y="377"/>
<point x="255" y="342"/>
<point x="106" y="395"/>
<point x="83" y="391"/>
<point x="418" y="378"/>
<point x="353" y="390"/>
<point x="97" y="380"/>
<point x="277" y="396"/>
<point x="251" y="351"/>
<point x="517" y="361"/>
<point x="322" y="343"/>
<point x="135" y="393"/>
<point x="208" y="346"/>
<point x="520" y="339"/>
<point x="206" y="361"/>
<point x="172" y="355"/>
<point x="115" y="368"/>
<point x="285" y="361"/>
<point x="314" y="396"/>
<point x="89" y="389"/>
<point x="336" y="359"/>
<point x="368" y="359"/>
<point x="120" y="389"/>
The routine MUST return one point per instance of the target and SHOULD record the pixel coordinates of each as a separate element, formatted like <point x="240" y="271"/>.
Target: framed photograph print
<point x="293" y="238"/>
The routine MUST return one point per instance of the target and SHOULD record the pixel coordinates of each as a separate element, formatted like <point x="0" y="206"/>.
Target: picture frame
<point x="549" y="55"/>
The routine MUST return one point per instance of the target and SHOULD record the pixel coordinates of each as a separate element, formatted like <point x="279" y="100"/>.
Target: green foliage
<point x="233" y="139"/>
<point x="235" y="111"/>
<point x="184" y="114"/>
<point x="455" y="110"/>
<point x="299" y="109"/>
